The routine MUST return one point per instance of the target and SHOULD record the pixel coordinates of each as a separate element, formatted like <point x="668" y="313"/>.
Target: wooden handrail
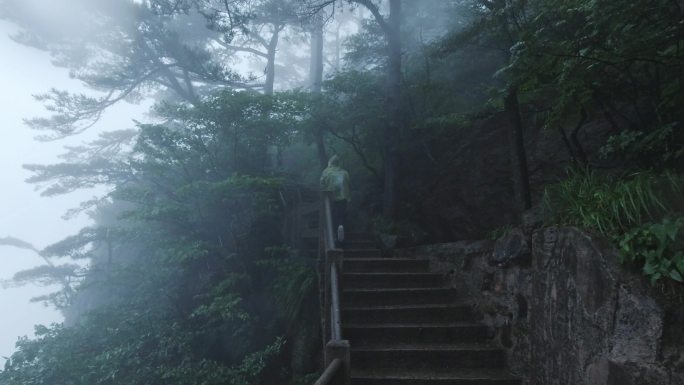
<point x="329" y="231"/>
<point x="330" y="372"/>
<point x="336" y="322"/>
<point x="337" y="351"/>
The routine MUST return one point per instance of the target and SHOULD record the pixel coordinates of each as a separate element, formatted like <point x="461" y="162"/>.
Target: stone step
<point x="427" y="357"/>
<point x="402" y="296"/>
<point x="359" y="244"/>
<point x="385" y="265"/>
<point x="402" y="314"/>
<point x="418" y="377"/>
<point x="358" y="237"/>
<point x="357" y="253"/>
<point x="391" y="280"/>
<point x="415" y="333"/>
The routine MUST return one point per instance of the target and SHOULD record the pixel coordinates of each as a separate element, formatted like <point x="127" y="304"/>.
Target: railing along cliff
<point x="337" y="350"/>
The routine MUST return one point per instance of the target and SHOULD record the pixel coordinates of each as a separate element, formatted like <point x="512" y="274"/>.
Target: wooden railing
<point x="337" y="350"/>
<point x="330" y="372"/>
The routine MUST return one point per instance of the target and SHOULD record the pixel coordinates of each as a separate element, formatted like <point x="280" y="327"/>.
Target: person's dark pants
<point x="339" y="217"/>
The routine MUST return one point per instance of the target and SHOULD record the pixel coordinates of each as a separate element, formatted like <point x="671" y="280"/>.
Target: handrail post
<point x="327" y="205"/>
<point x="335" y="295"/>
<point x="334" y="256"/>
<point x="340" y="349"/>
<point x="336" y="350"/>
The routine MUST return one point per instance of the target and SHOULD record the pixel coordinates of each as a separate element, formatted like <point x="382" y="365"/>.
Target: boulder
<point x="511" y="248"/>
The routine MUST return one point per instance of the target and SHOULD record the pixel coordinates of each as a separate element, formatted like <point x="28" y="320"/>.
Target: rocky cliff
<point x="565" y="310"/>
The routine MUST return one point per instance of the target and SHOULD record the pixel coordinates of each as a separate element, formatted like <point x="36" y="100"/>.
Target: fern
<point x="637" y="212"/>
<point x="609" y="204"/>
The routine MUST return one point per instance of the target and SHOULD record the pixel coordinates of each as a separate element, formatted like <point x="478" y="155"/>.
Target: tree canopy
<point x="453" y="117"/>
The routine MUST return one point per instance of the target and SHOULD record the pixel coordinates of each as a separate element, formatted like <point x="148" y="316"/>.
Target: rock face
<point x="510" y="249"/>
<point x="567" y="314"/>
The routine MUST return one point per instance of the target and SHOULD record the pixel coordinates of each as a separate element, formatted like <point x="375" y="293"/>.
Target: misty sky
<point x="23" y="212"/>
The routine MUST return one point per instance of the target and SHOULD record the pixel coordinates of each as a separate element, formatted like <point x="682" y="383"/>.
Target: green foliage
<point x="618" y="61"/>
<point x="184" y="285"/>
<point x="636" y="212"/>
<point x="406" y="232"/>
<point x="608" y="204"/>
<point x="128" y="50"/>
<point x="366" y="48"/>
<point x="47" y="275"/>
<point x="658" y="246"/>
<point x="293" y="280"/>
<point x="189" y="282"/>
<point x="18" y="243"/>
<point x="124" y="348"/>
<point x="351" y="112"/>
<point x="654" y="147"/>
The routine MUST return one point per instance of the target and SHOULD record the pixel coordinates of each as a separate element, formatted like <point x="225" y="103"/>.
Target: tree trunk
<point x="338" y="48"/>
<point x="392" y="129"/>
<point x="270" y="65"/>
<point x="574" y="137"/>
<point x="521" y="179"/>
<point x="316" y="60"/>
<point x="316" y="81"/>
<point x="268" y="88"/>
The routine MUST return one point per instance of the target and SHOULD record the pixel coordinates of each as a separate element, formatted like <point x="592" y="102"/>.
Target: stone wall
<point x="565" y="310"/>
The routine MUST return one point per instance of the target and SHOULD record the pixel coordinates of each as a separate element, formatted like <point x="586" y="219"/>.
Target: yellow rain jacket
<point x="335" y="179"/>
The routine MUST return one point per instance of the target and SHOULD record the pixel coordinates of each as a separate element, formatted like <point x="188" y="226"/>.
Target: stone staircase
<point x="405" y="327"/>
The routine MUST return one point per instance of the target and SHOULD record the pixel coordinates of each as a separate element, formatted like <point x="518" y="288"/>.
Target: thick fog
<point x="24" y="213"/>
<point x="38" y="220"/>
<point x="24" y="72"/>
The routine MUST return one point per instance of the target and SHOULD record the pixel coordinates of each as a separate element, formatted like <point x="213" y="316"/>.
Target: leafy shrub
<point x="403" y="233"/>
<point x="658" y="246"/>
<point x="657" y="146"/>
<point x="292" y="279"/>
<point x="637" y="212"/>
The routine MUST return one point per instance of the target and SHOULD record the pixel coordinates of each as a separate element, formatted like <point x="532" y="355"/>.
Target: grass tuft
<point x="639" y="212"/>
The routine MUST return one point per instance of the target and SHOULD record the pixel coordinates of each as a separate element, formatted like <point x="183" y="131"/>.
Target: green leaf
<point x="674" y="274"/>
<point x="679" y="261"/>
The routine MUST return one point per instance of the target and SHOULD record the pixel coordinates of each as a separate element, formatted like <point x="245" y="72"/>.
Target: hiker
<point x="335" y="181"/>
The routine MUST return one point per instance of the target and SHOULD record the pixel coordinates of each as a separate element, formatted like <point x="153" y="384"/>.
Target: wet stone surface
<point x="565" y="311"/>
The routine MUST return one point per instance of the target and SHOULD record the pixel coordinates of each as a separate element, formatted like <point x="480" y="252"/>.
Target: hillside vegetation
<point x="452" y="117"/>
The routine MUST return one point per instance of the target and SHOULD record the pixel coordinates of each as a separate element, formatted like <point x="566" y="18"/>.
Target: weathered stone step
<point x="357" y="253"/>
<point x="429" y="357"/>
<point x="359" y="244"/>
<point x="416" y="333"/>
<point x="358" y="237"/>
<point x="391" y="280"/>
<point x="407" y="314"/>
<point x="403" y="296"/>
<point x="385" y="265"/>
<point x="417" y="377"/>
